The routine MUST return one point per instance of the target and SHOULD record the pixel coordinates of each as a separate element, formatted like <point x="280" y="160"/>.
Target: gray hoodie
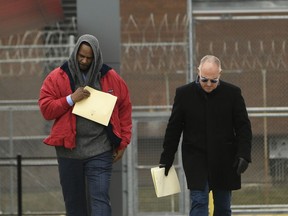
<point x="91" y="137"/>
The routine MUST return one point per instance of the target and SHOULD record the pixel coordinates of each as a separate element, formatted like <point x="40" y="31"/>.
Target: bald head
<point x="210" y="59"/>
<point x="209" y="72"/>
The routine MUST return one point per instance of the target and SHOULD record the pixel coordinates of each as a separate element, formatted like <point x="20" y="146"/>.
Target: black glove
<point x="241" y="165"/>
<point x="167" y="168"/>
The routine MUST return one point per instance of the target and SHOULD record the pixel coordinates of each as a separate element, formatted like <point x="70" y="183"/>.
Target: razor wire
<point x="149" y="45"/>
<point x="35" y="50"/>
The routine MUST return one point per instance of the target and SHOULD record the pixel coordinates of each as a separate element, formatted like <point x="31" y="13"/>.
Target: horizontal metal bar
<point x="151" y="107"/>
<point x="245" y="11"/>
<point x="252" y="111"/>
<point x="36" y="46"/>
<point x="40" y="137"/>
<point x="19" y="108"/>
<point x="154" y="44"/>
<point x="23" y="60"/>
<point x="21" y="102"/>
<point x="58" y="213"/>
<point x="259" y="211"/>
<point x="233" y="17"/>
<point x="29" y="162"/>
<point x="268" y="114"/>
<point x="263" y="109"/>
<point x="278" y="206"/>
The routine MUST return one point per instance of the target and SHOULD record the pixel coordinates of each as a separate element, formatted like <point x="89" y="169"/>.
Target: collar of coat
<point x="104" y="70"/>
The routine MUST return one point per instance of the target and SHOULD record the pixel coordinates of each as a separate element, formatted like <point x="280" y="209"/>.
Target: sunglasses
<point x="204" y="79"/>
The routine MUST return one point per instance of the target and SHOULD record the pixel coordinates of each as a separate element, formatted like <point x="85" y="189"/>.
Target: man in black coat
<point x="211" y="115"/>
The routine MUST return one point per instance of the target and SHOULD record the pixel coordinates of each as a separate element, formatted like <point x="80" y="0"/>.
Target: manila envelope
<point x="97" y="107"/>
<point x="165" y="185"/>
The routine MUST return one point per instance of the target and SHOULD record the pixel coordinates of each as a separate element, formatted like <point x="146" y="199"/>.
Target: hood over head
<point x="93" y="74"/>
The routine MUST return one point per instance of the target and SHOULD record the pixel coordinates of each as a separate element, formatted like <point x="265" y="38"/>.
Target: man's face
<point x="84" y="57"/>
<point x="209" y="75"/>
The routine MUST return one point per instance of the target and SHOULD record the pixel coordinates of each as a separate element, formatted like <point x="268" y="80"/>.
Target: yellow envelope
<point x="165" y="185"/>
<point x="97" y="107"/>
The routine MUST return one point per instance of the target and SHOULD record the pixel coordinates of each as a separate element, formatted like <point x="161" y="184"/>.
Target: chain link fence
<point x="155" y="60"/>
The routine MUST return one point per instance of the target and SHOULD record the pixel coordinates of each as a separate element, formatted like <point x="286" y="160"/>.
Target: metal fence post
<point x="19" y="184"/>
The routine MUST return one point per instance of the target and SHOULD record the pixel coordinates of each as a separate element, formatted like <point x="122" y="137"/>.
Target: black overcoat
<point x="216" y="132"/>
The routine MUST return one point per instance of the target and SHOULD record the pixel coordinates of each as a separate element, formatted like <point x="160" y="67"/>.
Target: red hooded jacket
<point x="54" y="106"/>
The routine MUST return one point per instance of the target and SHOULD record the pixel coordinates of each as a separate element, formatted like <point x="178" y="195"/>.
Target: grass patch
<point x="261" y="194"/>
<point x="248" y="195"/>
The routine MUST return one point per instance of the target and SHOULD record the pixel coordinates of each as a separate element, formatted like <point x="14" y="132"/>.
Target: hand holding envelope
<point x="80" y="94"/>
<point x="165" y="185"/>
<point x="97" y="107"/>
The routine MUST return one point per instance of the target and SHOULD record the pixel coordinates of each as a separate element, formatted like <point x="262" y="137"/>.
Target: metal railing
<point x="140" y="114"/>
<point x="18" y="162"/>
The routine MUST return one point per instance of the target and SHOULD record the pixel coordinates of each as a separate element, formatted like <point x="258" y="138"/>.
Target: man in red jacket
<point x="85" y="149"/>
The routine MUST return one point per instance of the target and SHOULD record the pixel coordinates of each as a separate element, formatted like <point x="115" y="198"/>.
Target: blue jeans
<point x="200" y="199"/>
<point x="85" y="185"/>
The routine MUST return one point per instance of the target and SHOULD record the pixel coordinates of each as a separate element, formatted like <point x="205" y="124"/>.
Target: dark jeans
<point x="200" y="199"/>
<point x="86" y="180"/>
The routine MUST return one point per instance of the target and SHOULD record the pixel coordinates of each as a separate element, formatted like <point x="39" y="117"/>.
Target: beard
<point x="84" y="68"/>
